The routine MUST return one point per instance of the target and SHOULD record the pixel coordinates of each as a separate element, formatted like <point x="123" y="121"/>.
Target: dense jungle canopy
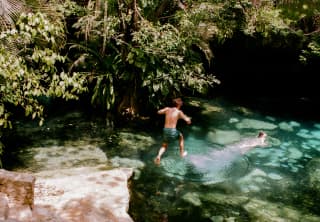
<point x="122" y="55"/>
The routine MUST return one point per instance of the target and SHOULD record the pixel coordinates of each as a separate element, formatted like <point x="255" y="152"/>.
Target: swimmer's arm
<point x="185" y="118"/>
<point x="163" y="111"/>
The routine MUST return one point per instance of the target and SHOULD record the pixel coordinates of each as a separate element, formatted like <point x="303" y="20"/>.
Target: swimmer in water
<point x="248" y="144"/>
<point x="230" y="152"/>
<point x="172" y="115"/>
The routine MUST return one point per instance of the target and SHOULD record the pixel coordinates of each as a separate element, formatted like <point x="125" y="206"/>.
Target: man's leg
<point x="161" y="151"/>
<point x="181" y="144"/>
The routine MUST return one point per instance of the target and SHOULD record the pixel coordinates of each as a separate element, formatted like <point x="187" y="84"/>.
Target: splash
<point x="218" y="166"/>
<point x="214" y="165"/>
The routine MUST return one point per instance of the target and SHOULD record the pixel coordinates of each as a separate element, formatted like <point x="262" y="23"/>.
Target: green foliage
<point x="166" y="63"/>
<point x="18" y="87"/>
<point x="103" y="92"/>
<point x="70" y="8"/>
<point x="96" y="52"/>
<point x="28" y="67"/>
<point x="150" y="62"/>
<point x="311" y="53"/>
<point x="265" y="20"/>
<point x="124" y="51"/>
<point x="297" y="9"/>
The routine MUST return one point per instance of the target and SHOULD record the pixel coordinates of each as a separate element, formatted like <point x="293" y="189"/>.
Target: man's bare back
<point x="173" y="114"/>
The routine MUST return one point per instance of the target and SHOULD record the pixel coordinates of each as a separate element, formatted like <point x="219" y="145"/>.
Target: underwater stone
<point x="223" y="136"/>
<point x="294" y="169"/>
<point x="274" y="176"/>
<point x="271" y="118"/>
<point x="192" y="198"/>
<point x="316" y="134"/>
<point x="223" y="199"/>
<point x="253" y="188"/>
<point x="315" y="144"/>
<point x="233" y="120"/>
<point x="217" y="218"/>
<point x="294" y="153"/>
<point x="135" y="140"/>
<point x="313" y="171"/>
<point x="272" y="164"/>
<point x="261" y="153"/>
<point x="304" y="134"/>
<point x="55" y="157"/>
<point x="285" y="144"/>
<point x="260" y="210"/>
<point x="255" y="124"/>
<point x="292" y="161"/>
<point x="305" y="146"/>
<point x="307" y="156"/>
<point x="285" y="126"/>
<point x="252" y="181"/>
<point x="126" y="162"/>
<point x="294" y="124"/>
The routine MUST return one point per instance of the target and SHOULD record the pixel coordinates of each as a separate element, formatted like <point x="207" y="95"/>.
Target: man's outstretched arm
<point x="185" y="117"/>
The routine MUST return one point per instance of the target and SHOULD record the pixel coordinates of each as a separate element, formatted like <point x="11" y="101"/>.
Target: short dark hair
<point x="261" y="134"/>
<point x="177" y="102"/>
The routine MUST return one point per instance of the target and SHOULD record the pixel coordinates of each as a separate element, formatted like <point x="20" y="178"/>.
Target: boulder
<point x="4" y="207"/>
<point x="19" y="188"/>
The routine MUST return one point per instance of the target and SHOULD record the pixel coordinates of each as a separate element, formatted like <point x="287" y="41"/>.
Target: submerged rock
<point x="313" y="172"/>
<point x="54" y="157"/>
<point x="264" y="211"/>
<point x="223" y="137"/>
<point x="255" y="124"/>
<point x="286" y="126"/>
<point x="257" y="210"/>
<point x="192" y="198"/>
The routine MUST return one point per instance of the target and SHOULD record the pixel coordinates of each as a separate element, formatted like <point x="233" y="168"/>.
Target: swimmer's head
<point x="262" y="134"/>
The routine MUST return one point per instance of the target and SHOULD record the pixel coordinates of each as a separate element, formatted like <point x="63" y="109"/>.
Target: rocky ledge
<point x="84" y="194"/>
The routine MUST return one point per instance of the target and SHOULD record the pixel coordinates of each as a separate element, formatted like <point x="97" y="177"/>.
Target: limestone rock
<point x="19" y="187"/>
<point x="4" y="206"/>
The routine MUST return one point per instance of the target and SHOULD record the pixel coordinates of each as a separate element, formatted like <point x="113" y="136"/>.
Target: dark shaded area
<point x="288" y="107"/>
<point x="249" y="68"/>
<point x="268" y="78"/>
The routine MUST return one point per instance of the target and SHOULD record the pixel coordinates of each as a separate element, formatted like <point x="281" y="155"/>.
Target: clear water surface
<point x="280" y="182"/>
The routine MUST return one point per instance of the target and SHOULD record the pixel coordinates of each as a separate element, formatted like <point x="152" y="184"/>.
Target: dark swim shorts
<point x="170" y="134"/>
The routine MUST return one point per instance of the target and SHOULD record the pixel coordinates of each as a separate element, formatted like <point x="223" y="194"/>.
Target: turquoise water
<point x="280" y="182"/>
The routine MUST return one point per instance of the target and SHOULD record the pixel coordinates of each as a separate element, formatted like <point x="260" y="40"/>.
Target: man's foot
<point x="185" y="153"/>
<point x="157" y="160"/>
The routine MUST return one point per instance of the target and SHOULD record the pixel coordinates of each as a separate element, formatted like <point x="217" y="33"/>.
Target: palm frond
<point x="9" y="12"/>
